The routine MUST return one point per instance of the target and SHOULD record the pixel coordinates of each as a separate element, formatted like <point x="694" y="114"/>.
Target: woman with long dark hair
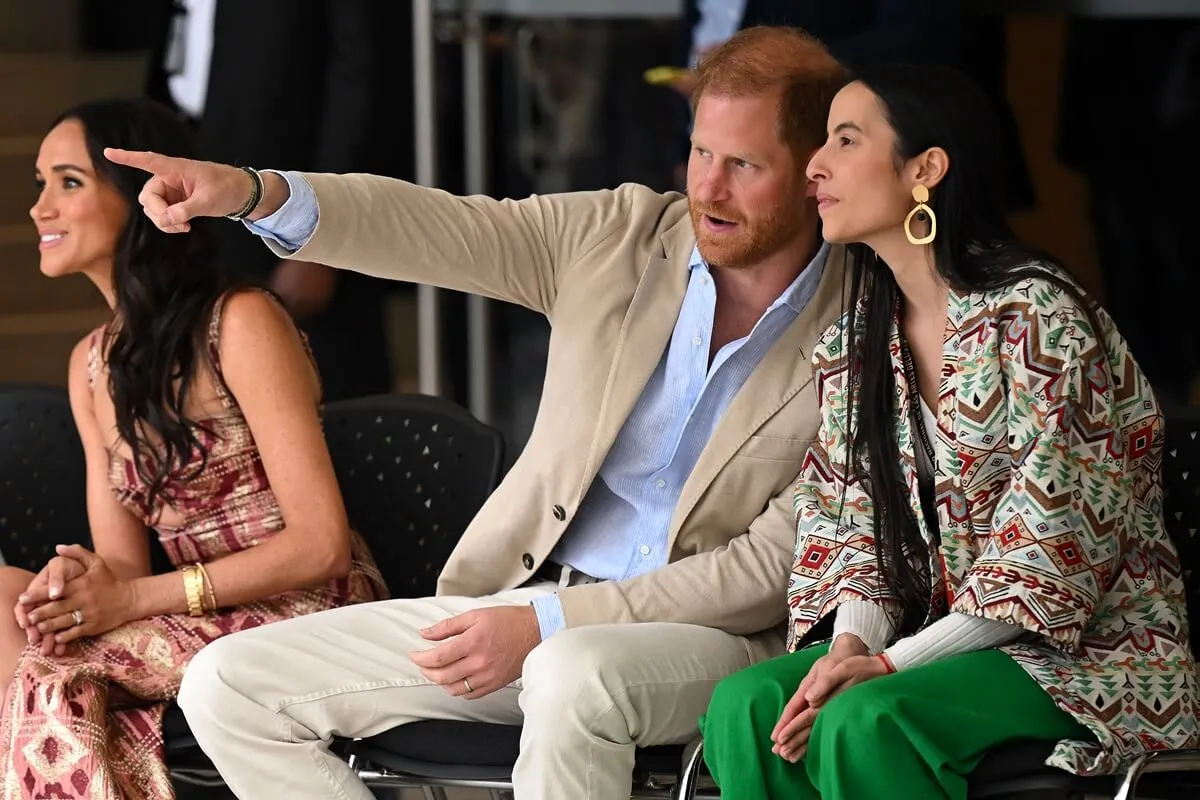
<point x="982" y="509"/>
<point x="197" y="406"/>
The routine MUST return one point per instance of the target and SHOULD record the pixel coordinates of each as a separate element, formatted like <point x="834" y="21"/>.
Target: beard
<point x="748" y="240"/>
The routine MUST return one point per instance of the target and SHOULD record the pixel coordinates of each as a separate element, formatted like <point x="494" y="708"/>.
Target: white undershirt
<point x="718" y="21"/>
<point x="925" y="467"/>
<point x="189" y="83"/>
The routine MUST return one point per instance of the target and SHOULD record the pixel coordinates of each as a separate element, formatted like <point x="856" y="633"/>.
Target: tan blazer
<point x="609" y="269"/>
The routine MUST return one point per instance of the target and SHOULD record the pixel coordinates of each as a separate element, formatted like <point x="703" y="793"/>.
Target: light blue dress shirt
<point x="622" y="525"/>
<point x="294" y="223"/>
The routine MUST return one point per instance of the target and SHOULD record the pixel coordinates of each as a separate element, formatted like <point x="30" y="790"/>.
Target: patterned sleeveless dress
<point x="89" y="724"/>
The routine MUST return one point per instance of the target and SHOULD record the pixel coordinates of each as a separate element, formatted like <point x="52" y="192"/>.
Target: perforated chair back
<point x="413" y="471"/>
<point x="1181" y="502"/>
<point x="43" y="494"/>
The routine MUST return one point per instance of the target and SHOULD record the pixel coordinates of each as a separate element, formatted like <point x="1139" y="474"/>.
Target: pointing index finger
<point x="144" y="160"/>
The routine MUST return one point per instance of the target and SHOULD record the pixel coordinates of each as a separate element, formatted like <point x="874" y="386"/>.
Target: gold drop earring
<point x="922" y="212"/>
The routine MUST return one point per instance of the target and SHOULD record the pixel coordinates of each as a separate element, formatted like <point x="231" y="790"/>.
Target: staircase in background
<point x="41" y="74"/>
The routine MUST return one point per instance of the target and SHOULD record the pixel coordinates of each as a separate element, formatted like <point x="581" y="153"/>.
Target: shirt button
<point x="696" y="340"/>
<point x="527" y="560"/>
<point x="559" y="513"/>
<point x="660" y="483"/>
<point x="644" y="550"/>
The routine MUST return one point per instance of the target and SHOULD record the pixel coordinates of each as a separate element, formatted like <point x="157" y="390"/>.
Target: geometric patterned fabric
<point x="1049" y="497"/>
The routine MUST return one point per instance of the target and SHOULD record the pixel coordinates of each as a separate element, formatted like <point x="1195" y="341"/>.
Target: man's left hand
<point x="484" y="649"/>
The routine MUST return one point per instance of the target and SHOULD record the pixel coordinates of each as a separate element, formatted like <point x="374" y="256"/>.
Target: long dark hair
<point x="165" y="288"/>
<point x="975" y="250"/>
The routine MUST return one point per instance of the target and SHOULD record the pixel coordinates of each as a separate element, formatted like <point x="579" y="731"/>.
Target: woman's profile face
<point x="79" y="216"/>
<point x="860" y="192"/>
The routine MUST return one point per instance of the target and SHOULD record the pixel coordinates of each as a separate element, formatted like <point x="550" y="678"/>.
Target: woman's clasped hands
<point x="847" y="664"/>
<point x="75" y="595"/>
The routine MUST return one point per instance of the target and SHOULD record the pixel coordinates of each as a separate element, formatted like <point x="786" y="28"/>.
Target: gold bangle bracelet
<point x="210" y="595"/>
<point x="193" y="587"/>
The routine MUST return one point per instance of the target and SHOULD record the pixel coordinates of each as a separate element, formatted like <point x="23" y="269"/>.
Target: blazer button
<point x="560" y="513"/>
<point x="527" y="560"/>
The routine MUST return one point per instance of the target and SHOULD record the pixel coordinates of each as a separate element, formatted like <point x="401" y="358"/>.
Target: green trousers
<point x="914" y="734"/>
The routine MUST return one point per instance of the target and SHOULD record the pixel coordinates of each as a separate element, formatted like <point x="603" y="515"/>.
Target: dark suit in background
<point x="317" y="85"/>
<point x="1129" y="124"/>
<point x="858" y="32"/>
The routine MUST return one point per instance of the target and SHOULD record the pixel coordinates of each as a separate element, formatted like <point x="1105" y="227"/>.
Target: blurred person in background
<point x="321" y="85"/>
<point x="1144" y="105"/>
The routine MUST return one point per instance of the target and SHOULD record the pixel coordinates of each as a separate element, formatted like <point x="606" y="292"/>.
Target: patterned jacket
<point x="1049" y="502"/>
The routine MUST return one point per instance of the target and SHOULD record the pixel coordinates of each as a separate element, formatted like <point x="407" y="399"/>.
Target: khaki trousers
<point x="264" y="703"/>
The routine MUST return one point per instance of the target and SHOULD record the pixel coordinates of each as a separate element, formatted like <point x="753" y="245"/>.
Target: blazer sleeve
<point x="519" y="251"/>
<point x="1054" y="538"/>
<point x="738" y="588"/>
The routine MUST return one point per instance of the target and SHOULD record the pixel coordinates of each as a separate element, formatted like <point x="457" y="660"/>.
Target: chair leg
<point x="1132" y="775"/>
<point x="686" y="788"/>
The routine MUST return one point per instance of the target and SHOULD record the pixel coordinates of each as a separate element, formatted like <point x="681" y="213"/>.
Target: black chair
<point x="480" y="755"/>
<point x="42" y="475"/>
<point x="413" y="471"/>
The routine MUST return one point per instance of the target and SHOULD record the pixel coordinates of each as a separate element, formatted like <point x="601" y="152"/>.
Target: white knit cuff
<point x="867" y="621"/>
<point x="952" y="635"/>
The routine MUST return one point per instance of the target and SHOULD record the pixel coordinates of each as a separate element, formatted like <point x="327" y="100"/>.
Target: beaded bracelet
<point x="256" y="194"/>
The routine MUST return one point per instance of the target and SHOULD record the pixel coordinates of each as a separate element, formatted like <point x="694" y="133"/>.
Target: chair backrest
<point x="43" y="498"/>
<point x="413" y="471"/>
<point x="1181" y="502"/>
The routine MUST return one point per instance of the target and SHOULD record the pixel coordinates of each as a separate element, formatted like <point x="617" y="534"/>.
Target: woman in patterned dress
<point x="982" y="507"/>
<point x="197" y="405"/>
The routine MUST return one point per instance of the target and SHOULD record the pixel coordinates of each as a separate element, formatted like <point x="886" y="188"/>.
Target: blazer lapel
<point x="784" y="371"/>
<point x="643" y="338"/>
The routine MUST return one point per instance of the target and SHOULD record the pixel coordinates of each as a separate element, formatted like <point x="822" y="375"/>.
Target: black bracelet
<point x="256" y="195"/>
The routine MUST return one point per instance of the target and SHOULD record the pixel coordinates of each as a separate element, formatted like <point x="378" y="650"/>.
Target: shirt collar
<point x="798" y="293"/>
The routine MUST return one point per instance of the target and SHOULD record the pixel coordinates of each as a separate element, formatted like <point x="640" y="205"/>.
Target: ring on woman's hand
<point x="77" y="615"/>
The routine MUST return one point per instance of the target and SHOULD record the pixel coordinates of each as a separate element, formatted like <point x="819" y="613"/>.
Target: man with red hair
<point x="655" y="488"/>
